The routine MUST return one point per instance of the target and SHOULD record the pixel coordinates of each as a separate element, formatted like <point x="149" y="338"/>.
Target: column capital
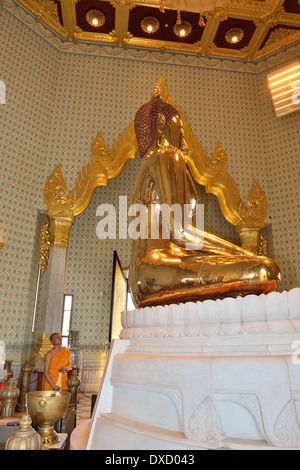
<point x="250" y="238"/>
<point x="59" y="230"/>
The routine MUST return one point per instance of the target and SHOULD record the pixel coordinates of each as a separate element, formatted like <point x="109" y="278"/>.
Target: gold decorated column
<point x="54" y="291"/>
<point x="250" y="238"/>
<point x="62" y="208"/>
<point x="252" y="222"/>
<point x="61" y="217"/>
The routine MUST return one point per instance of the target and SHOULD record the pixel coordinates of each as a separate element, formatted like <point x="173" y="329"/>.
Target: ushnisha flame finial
<point x="157" y="92"/>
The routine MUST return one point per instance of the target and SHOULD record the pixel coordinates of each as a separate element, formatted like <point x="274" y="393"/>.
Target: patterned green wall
<point x="56" y="105"/>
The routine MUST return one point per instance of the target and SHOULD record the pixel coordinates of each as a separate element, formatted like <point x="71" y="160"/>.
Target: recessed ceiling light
<point x="234" y="35"/>
<point x="149" y="24"/>
<point x="183" y="29"/>
<point x="95" y="18"/>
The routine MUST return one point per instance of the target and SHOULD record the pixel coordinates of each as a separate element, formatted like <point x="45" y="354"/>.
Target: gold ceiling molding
<point x="68" y="12"/>
<point x="123" y="3"/>
<point x="264" y="14"/>
<point x="46" y="11"/>
<point x="279" y="35"/>
<point x="106" y="164"/>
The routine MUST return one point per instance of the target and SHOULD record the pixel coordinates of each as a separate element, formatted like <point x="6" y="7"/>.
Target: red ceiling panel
<point x="83" y="6"/>
<point x="291" y="6"/>
<point x="247" y="26"/>
<point x="167" y="21"/>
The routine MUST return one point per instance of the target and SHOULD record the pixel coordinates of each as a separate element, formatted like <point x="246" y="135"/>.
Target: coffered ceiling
<point x="267" y="26"/>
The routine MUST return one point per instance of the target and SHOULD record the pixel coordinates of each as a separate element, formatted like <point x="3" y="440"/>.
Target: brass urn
<point x="25" y="437"/>
<point x="45" y="408"/>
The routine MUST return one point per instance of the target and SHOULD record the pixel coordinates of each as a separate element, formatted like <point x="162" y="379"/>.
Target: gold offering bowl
<point x="45" y="408"/>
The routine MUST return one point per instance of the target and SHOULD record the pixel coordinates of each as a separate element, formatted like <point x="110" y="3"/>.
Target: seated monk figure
<point x="189" y="264"/>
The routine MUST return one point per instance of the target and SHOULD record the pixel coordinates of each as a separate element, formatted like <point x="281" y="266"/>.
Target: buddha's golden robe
<point x="59" y="361"/>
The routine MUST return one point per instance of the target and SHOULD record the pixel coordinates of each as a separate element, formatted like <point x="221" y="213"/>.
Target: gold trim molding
<point x="265" y="15"/>
<point x="105" y="164"/>
<point x="46" y="11"/>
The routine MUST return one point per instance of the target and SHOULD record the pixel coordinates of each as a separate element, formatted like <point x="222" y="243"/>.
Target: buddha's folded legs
<point x="163" y="278"/>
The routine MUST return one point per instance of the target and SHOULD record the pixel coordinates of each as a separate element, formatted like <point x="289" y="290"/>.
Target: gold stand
<point x="43" y="345"/>
<point x="25" y="371"/>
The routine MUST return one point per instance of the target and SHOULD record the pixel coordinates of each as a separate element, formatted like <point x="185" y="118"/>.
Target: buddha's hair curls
<point x="145" y="121"/>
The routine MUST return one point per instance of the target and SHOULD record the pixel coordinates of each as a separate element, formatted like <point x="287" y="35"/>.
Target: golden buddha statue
<point x="188" y="264"/>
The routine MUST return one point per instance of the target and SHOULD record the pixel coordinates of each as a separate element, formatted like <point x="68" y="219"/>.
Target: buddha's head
<point x="157" y="115"/>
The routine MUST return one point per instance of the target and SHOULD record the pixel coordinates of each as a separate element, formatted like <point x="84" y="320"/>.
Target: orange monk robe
<point x="60" y="360"/>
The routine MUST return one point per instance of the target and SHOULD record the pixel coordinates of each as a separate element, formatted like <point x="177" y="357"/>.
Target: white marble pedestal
<point x="205" y="375"/>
